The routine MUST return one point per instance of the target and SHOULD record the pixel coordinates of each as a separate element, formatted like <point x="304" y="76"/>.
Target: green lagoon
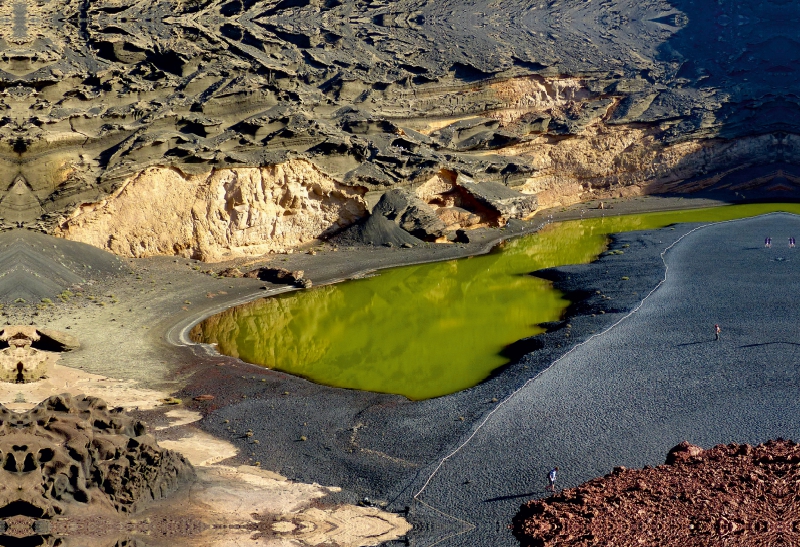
<point x="429" y="330"/>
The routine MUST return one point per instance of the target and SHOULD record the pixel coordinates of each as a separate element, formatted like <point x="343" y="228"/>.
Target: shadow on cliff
<point x="729" y="73"/>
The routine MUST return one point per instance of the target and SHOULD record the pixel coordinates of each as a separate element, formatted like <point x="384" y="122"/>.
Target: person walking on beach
<point x="717" y="330"/>
<point x="551" y="479"/>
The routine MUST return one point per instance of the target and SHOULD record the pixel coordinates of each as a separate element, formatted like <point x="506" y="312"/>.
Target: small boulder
<point x="230" y="272"/>
<point x="682" y="452"/>
<point x="276" y="275"/>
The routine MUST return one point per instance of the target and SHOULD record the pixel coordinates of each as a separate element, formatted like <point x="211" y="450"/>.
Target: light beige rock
<point x="22" y="364"/>
<point x="618" y="161"/>
<point x="431" y="191"/>
<point x="228" y="495"/>
<point x="219" y="214"/>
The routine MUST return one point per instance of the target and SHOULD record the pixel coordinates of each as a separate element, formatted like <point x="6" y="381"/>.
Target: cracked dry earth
<point x="730" y="495"/>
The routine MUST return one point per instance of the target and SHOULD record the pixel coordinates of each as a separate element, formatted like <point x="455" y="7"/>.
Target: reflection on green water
<point x="432" y="329"/>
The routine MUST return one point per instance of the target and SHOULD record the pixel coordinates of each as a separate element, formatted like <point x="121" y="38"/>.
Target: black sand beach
<point x="623" y="398"/>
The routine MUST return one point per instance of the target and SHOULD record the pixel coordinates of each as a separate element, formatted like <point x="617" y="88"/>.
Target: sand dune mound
<point x="35" y="266"/>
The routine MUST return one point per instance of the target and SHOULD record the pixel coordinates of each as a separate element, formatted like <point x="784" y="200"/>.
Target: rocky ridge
<point x="69" y="454"/>
<point x="108" y="102"/>
<point x="726" y="495"/>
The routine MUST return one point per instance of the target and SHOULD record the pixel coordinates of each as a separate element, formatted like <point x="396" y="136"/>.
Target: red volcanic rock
<point x="683" y="452"/>
<point x="734" y="495"/>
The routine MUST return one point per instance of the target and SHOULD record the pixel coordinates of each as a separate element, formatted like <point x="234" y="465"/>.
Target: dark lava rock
<point x="69" y="452"/>
<point x="375" y="230"/>
<point x="410" y="213"/>
<point x="399" y="218"/>
<point x="276" y="275"/>
<point x="506" y="202"/>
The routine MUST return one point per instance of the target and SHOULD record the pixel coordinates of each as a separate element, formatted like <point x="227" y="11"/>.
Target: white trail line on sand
<point x="470" y="525"/>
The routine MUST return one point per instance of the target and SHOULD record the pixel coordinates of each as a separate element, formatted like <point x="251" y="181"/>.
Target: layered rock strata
<point x="563" y="102"/>
<point x="217" y="214"/>
<point x="726" y="495"/>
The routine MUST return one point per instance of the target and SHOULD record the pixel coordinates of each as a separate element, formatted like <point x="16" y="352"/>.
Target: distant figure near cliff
<point x="551" y="479"/>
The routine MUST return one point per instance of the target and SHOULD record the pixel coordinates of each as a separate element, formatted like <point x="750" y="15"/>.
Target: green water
<point x="433" y="329"/>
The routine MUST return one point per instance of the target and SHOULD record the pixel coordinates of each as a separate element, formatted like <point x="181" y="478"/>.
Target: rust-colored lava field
<point x="724" y="496"/>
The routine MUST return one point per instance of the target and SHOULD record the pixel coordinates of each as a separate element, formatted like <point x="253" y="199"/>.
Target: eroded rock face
<point x="411" y="214"/>
<point x="69" y="455"/>
<point x="565" y="101"/>
<point x="21" y="362"/>
<point x="218" y="214"/>
<point x="727" y="495"/>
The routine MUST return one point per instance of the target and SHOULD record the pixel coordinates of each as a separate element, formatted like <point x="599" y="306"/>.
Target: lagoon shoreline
<point x="372" y="445"/>
<point x="383" y="447"/>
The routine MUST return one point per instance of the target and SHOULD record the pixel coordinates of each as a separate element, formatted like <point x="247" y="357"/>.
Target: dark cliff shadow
<point x="745" y="53"/>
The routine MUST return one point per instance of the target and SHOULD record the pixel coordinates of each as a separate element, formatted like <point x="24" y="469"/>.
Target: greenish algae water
<point x="428" y="330"/>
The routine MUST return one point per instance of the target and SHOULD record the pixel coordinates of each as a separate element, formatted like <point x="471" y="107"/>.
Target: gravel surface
<point x="379" y="446"/>
<point x="657" y="378"/>
<point x="384" y="447"/>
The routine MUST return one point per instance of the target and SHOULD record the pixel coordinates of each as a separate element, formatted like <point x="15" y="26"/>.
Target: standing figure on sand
<point x="551" y="480"/>
<point x="791" y="243"/>
<point x="717" y="330"/>
<point x="768" y="242"/>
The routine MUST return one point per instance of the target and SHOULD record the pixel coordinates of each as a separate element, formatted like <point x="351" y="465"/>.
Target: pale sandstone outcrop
<point x="624" y="160"/>
<point x="20" y="363"/>
<point x="217" y="214"/>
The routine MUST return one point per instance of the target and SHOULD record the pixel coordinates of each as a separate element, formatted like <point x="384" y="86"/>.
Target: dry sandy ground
<point x="134" y="354"/>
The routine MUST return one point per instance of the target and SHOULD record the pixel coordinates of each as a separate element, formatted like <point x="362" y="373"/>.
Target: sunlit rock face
<point x="27" y="354"/>
<point x="563" y="100"/>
